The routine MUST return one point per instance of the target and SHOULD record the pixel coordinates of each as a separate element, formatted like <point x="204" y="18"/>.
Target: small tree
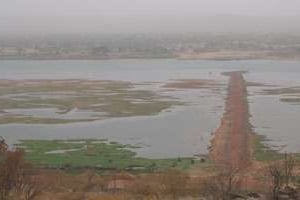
<point x="289" y="164"/>
<point x="89" y="176"/>
<point x="30" y="186"/>
<point x="276" y="171"/>
<point x="148" y="187"/>
<point x="222" y="185"/>
<point x="12" y="165"/>
<point x="3" y="147"/>
<point x="174" y="182"/>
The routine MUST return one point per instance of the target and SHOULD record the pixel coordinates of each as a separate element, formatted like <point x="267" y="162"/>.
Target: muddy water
<point x="180" y="131"/>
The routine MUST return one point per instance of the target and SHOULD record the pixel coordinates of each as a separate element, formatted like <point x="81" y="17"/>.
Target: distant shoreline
<point x="213" y="56"/>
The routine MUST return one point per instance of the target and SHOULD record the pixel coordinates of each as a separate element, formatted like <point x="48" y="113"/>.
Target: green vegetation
<point x="262" y="152"/>
<point x="35" y="120"/>
<point x="95" y="153"/>
<point x="193" y="84"/>
<point x="294" y="100"/>
<point x="68" y="99"/>
<point x="282" y="91"/>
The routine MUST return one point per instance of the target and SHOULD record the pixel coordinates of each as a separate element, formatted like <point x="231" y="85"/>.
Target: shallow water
<point x="184" y="131"/>
<point x="180" y="131"/>
<point x="55" y="113"/>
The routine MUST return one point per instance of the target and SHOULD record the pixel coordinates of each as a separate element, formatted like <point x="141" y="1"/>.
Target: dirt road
<point x="231" y="144"/>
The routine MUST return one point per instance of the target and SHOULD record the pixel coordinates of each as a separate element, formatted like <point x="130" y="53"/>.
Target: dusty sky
<point x="148" y="7"/>
<point x="40" y="16"/>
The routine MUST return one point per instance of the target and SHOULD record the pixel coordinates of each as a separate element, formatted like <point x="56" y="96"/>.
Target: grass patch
<point x="95" y="153"/>
<point x="262" y="152"/>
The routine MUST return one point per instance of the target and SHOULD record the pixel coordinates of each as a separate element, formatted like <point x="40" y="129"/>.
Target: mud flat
<point x="231" y="144"/>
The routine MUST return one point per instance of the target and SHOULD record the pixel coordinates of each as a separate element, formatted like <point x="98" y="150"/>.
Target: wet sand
<point x="231" y="145"/>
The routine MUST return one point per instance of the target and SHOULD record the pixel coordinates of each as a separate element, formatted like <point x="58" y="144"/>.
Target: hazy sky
<point x="148" y="7"/>
<point x="134" y="15"/>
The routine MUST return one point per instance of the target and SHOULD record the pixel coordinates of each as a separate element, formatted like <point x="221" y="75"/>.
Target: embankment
<point x="231" y="144"/>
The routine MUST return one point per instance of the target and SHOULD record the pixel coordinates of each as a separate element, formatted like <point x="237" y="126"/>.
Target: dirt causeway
<point x="231" y="144"/>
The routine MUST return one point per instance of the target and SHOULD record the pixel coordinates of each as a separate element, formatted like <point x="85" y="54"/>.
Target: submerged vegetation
<point x="63" y="101"/>
<point x="193" y="84"/>
<point x="286" y="94"/>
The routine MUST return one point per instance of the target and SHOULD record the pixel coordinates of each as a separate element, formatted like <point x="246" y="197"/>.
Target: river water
<point x="177" y="132"/>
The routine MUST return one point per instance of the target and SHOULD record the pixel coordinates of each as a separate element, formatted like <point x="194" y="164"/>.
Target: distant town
<point x="202" y="46"/>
